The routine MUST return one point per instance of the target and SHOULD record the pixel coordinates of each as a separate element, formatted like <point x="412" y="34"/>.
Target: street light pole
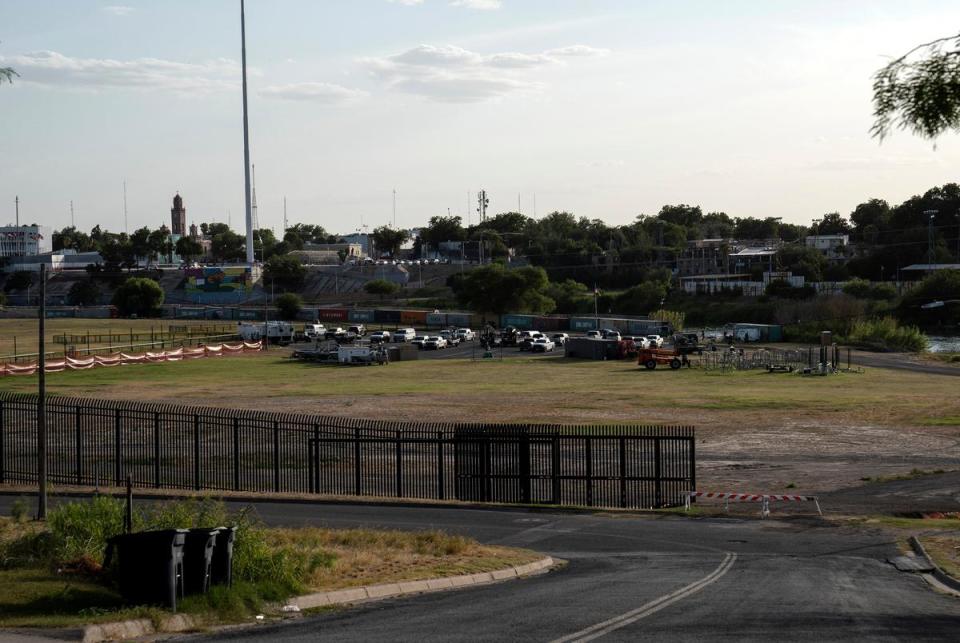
<point x="42" y="402"/>
<point x="931" y="253"/>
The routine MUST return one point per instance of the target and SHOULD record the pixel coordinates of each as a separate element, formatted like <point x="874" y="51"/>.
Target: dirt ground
<point x="756" y="433"/>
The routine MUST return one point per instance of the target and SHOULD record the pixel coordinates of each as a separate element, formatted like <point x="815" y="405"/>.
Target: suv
<point x="313" y="331"/>
<point x="451" y="336"/>
<point x="380" y="337"/>
<point x="655" y="341"/>
<point x="419" y="340"/>
<point x="466" y="334"/>
<point x="610" y="333"/>
<point x="358" y="330"/>
<point x="334" y="333"/>
<point x="404" y="334"/>
<point x="527" y="338"/>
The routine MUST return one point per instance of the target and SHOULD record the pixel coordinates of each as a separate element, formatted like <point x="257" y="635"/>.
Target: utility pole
<point x="596" y="312"/>
<point x="284" y="216"/>
<point x="394" y="208"/>
<point x="42" y="402"/>
<point x="931" y="253"/>
<point x="72" y="224"/>
<point x="16" y="202"/>
<point x="482" y="202"/>
<point x="246" y="136"/>
<point x="125" y="229"/>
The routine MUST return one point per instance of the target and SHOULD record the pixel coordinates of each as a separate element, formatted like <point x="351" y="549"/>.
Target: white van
<point x="404" y="335"/>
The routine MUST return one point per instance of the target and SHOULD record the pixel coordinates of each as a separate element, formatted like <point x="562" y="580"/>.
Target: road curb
<point x="178" y="623"/>
<point x="941" y="576"/>
<point x="393" y="590"/>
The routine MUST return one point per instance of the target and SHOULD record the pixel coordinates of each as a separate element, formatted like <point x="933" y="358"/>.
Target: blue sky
<point x="605" y="108"/>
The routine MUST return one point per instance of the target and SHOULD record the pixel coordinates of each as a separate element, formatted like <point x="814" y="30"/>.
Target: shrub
<point x="83" y="293"/>
<point x="863" y="289"/>
<point x="783" y="290"/>
<point x="81" y="529"/>
<point x="289" y="304"/>
<point x="380" y="287"/>
<point x="886" y="334"/>
<point x="20" y="280"/>
<point x="286" y="271"/>
<point x="138" y="296"/>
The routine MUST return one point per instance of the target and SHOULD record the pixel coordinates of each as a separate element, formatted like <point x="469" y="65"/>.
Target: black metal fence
<point x="101" y="442"/>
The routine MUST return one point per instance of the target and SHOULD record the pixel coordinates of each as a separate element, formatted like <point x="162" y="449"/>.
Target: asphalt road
<point x="631" y="578"/>
<point x="636" y="578"/>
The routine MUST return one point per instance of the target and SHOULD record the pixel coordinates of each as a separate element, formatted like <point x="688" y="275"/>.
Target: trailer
<point x="276" y="332"/>
<point x="361" y="355"/>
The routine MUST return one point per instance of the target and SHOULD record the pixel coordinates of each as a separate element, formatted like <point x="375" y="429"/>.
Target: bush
<point x="289" y="304"/>
<point x="284" y="270"/>
<point x="783" y="290"/>
<point x="886" y="334"/>
<point x="20" y="280"/>
<point x="380" y="287"/>
<point x="863" y="289"/>
<point x="84" y="293"/>
<point x="138" y="296"/>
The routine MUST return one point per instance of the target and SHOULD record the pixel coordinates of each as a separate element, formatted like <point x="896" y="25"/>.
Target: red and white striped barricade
<point x="764" y="499"/>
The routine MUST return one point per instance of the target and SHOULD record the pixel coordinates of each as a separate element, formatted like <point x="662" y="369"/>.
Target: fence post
<point x="399" y="466"/>
<point x="440" y="474"/>
<point x="3" y="455"/>
<point x="589" y="455"/>
<point x="315" y="460"/>
<point x="116" y="447"/>
<point x="555" y="470"/>
<point x="356" y="461"/>
<point x="657" y="498"/>
<point x="156" y="449"/>
<point x="693" y="463"/>
<point x="623" y="473"/>
<point x="77" y="440"/>
<point x="236" y="453"/>
<point x="196" y="451"/>
<point x="524" y="449"/>
<point x="276" y="456"/>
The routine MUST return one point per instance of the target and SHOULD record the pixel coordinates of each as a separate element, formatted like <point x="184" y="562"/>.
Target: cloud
<point x="485" y="5"/>
<point x="325" y="93"/>
<point x="451" y="73"/>
<point x="53" y="69"/>
<point x="406" y="3"/>
<point x="117" y="10"/>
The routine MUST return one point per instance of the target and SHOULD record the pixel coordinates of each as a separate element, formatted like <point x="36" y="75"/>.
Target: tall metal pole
<point x="125" y="205"/>
<point x="42" y="403"/>
<point x="246" y="136"/>
<point x="16" y="201"/>
<point x="394" y="207"/>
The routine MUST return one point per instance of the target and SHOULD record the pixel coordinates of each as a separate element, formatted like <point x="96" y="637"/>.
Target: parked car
<point x="466" y="334"/>
<point x="560" y="339"/>
<point x="434" y="342"/>
<point x="594" y="334"/>
<point x="380" y="337"/>
<point x="314" y="331"/>
<point x="509" y="336"/>
<point x="655" y="341"/>
<point x="357" y="331"/>
<point x="404" y="334"/>
<point x="527" y="338"/>
<point x="610" y="333"/>
<point x="451" y="336"/>
<point x="333" y="333"/>
<point x="418" y="340"/>
<point x="542" y="344"/>
<point x="641" y="342"/>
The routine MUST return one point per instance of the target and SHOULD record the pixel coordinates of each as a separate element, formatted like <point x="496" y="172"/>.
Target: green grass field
<point x="21" y="335"/>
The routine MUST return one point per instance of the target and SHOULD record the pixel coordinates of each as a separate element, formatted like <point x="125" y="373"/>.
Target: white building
<point x="18" y="241"/>
<point x="833" y="246"/>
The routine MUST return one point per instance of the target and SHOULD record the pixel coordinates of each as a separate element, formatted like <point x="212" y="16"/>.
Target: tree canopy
<point x="138" y="296"/>
<point x="388" y="240"/>
<point x="496" y="289"/>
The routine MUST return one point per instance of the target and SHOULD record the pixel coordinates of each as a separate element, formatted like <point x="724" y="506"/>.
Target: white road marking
<point x="617" y="622"/>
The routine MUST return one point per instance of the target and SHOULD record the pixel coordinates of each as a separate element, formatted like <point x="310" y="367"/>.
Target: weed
<point x="792" y="485"/>
<point x="19" y="510"/>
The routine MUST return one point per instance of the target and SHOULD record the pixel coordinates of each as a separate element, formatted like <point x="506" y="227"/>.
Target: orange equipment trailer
<point x="650" y="357"/>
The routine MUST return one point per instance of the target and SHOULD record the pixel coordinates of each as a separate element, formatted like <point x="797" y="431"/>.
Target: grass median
<point x="51" y="574"/>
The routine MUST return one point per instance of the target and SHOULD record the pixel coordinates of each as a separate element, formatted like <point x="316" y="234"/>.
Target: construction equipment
<point x="649" y="358"/>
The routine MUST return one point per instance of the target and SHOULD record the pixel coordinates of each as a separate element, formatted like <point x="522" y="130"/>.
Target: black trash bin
<point x="198" y="559"/>
<point x="149" y="565"/>
<point x="221" y="572"/>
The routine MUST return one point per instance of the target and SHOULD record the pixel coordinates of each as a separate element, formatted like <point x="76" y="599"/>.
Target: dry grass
<point x="368" y="557"/>
<point x="945" y="551"/>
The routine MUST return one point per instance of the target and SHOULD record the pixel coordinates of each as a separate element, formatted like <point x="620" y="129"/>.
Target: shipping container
<point x="307" y="314"/>
<point x="248" y="313"/>
<point x="332" y="314"/>
<point x="521" y="322"/>
<point x="650" y="327"/>
<point x="416" y="318"/>
<point x="188" y="313"/>
<point x="551" y="324"/>
<point x="585" y="348"/>
<point x="583" y="324"/>
<point x="357" y="315"/>
<point x="460" y="320"/>
<point x="386" y="316"/>
<point x="436" y="320"/>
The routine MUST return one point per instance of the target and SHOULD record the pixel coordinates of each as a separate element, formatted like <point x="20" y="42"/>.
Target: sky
<point x="604" y="108"/>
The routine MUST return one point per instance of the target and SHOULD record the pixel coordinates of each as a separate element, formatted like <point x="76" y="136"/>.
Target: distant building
<point x="19" y="241"/>
<point x="66" y="259"/>
<point x="704" y="257"/>
<point x="351" y="250"/>
<point x="747" y="258"/>
<point x="833" y="246"/>
<point x="361" y="239"/>
<point x="178" y="217"/>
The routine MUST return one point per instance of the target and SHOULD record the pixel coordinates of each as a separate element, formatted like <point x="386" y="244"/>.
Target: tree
<point x="138" y="296"/>
<point x="189" y="248"/>
<point x="801" y="260"/>
<point x="74" y="239"/>
<point x="140" y="242"/>
<point x="228" y="246"/>
<point x="380" y="287"/>
<point x="568" y="294"/>
<point x="388" y="241"/>
<point x="497" y="289"/>
<point x="83" y="293"/>
<point x="285" y="271"/>
<point x="942" y="285"/>
<point x="875" y="212"/>
<point x="833" y="223"/>
<point x="642" y="299"/>
<point x="684" y="215"/>
<point x="919" y="91"/>
<point x="290" y="304"/>
<point x="441" y="229"/>
<point x="20" y="280"/>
